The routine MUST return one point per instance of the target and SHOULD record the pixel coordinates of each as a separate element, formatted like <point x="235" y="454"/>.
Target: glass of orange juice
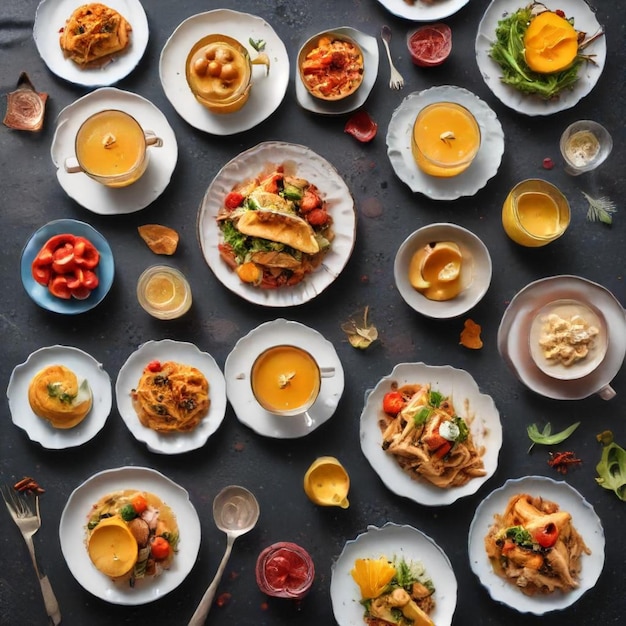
<point x="535" y="213"/>
<point x="445" y="139"/>
<point x="286" y="379"/>
<point x="164" y="292"/>
<point x="111" y="148"/>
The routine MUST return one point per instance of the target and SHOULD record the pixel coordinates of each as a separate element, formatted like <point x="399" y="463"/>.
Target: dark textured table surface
<point x="387" y="212"/>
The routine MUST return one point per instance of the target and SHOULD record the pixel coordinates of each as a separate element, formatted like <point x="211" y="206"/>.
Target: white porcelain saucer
<point x="485" y="165"/>
<point x="40" y="430"/>
<point x="51" y="17"/>
<point x="267" y="91"/>
<point x="369" y="46"/>
<point x="181" y="352"/>
<point x="588" y="75"/>
<point x="86" y="191"/>
<point x="514" y="331"/>
<point x="421" y="11"/>
<point x="237" y="372"/>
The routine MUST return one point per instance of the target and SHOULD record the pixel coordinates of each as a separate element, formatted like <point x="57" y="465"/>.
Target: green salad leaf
<point x="612" y="467"/>
<point x="508" y="52"/>
<point x="545" y="437"/>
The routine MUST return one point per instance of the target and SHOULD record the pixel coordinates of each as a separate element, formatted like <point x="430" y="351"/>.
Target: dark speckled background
<point x="387" y="212"/>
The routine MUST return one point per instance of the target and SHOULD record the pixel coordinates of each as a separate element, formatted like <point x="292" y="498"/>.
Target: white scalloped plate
<point x="514" y="331"/>
<point x="50" y="19"/>
<point x="483" y="168"/>
<point x="181" y="352"/>
<point x="369" y="46"/>
<point x="584" y="20"/>
<point x="584" y="519"/>
<point x="72" y="534"/>
<point x="468" y="401"/>
<point x="267" y="92"/>
<point x="421" y="11"/>
<point x="476" y="263"/>
<point x="392" y="541"/>
<point x="40" y="430"/>
<point x="86" y="191"/>
<point x="237" y="372"/>
<point x="305" y="163"/>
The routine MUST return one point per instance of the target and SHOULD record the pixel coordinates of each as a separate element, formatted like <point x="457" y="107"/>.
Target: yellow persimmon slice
<point x="372" y="576"/>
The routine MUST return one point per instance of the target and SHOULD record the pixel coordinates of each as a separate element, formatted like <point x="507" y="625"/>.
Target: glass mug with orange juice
<point x="111" y="148"/>
<point x="286" y="380"/>
<point x="535" y="213"/>
<point x="445" y="139"/>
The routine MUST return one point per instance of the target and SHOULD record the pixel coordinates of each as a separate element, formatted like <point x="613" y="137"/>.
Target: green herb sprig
<point x="612" y="466"/>
<point x="600" y="209"/>
<point x="546" y="437"/>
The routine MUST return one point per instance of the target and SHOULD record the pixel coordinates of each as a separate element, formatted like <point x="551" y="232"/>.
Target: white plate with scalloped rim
<point x="584" y="519"/>
<point x="181" y="352"/>
<point x="267" y="91"/>
<point x="72" y="533"/>
<point x="483" y="168"/>
<point x="369" y="46"/>
<point x="392" y="540"/>
<point x="51" y="17"/>
<point x="584" y="20"/>
<point x="239" y="364"/>
<point x="420" y="11"/>
<point x="40" y="430"/>
<point x="304" y="163"/>
<point x="86" y="191"/>
<point x="477" y="408"/>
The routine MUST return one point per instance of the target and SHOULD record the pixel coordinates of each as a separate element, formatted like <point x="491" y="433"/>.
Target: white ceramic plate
<point x="51" y="17"/>
<point x="72" y="534"/>
<point x="181" y="352"/>
<point x="369" y="46"/>
<point x="304" y="163"/>
<point x="392" y="541"/>
<point x="41" y="294"/>
<point x="42" y="431"/>
<point x="584" y="519"/>
<point x="237" y="372"/>
<point x="421" y="11"/>
<point x="484" y="166"/>
<point x="468" y="401"/>
<point x="589" y="73"/>
<point x="267" y="91"/>
<point x="476" y="265"/>
<point x="514" y="331"/>
<point x="86" y="191"/>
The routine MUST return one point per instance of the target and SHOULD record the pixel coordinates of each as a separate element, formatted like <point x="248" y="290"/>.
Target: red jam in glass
<point x="285" y="570"/>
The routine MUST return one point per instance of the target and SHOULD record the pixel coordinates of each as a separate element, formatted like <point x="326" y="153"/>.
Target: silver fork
<point x="28" y="521"/>
<point x="395" y="80"/>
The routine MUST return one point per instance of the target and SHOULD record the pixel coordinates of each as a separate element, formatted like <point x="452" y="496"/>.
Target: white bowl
<point x="476" y="266"/>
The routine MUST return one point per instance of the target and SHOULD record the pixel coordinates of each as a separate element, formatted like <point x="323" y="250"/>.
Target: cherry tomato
<point x="547" y="536"/>
<point x="139" y="502"/>
<point x="58" y="287"/>
<point x="233" y="200"/>
<point x="85" y="253"/>
<point x="154" y="366"/>
<point x="41" y="273"/>
<point x="317" y="217"/>
<point x="430" y="45"/>
<point x="160" y="548"/>
<point x="90" y="280"/>
<point x="393" y="403"/>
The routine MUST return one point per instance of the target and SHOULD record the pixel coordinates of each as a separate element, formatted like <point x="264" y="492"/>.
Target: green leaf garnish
<point x="612" y="468"/>
<point x="545" y="437"/>
<point x="600" y="209"/>
<point x="257" y="44"/>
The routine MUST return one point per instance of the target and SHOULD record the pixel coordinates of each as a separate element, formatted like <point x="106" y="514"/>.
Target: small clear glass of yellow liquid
<point x="111" y="148"/>
<point x="164" y="292"/>
<point x="445" y="139"/>
<point x="535" y="213"/>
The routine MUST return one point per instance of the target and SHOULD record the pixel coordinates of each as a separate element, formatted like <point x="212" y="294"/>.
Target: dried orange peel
<point x="160" y="239"/>
<point x="470" y="335"/>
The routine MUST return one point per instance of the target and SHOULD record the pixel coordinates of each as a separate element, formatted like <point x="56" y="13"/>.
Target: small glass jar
<point x="164" y="292"/>
<point x="534" y="213"/>
<point x="584" y="146"/>
<point x="285" y="570"/>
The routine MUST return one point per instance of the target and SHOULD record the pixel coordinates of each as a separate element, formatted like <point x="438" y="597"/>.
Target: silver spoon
<point x="235" y="511"/>
<point x="395" y="80"/>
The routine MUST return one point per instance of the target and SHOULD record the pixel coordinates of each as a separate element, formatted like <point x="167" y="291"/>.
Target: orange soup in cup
<point x="285" y="380"/>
